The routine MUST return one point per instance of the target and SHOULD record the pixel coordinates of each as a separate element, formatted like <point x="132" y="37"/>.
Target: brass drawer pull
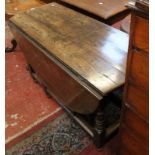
<point x="136" y="49"/>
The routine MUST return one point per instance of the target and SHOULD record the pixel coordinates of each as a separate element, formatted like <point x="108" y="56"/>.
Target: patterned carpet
<point x="59" y="137"/>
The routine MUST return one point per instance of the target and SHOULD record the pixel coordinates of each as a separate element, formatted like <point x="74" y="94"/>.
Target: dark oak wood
<point x="77" y="59"/>
<point x="63" y="86"/>
<point x="134" y="130"/>
<point x="85" y="46"/>
<point x="108" y="11"/>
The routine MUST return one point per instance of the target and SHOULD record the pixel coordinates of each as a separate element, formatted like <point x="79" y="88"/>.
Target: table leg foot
<point x="11" y="49"/>
<point x="32" y="73"/>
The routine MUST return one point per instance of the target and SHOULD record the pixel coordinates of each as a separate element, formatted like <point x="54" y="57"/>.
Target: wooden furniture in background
<point x="107" y="11"/>
<point x="134" y="130"/>
<point x="79" y="61"/>
<point x="15" y="6"/>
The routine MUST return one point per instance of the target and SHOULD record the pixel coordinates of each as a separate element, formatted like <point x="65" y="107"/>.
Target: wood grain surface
<point x="134" y="128"/>
<point x="92" y="50"/>
<point x="102" y="8"/>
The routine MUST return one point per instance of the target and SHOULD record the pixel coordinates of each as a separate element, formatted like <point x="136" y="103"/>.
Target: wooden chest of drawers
<point x="134" y="130"/>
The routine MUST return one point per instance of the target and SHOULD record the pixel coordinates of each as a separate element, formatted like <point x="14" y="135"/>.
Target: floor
<point x="29" y="110"/>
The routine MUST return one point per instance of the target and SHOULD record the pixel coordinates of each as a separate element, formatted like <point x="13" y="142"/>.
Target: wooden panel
<point x="102" y="8"/>
<point x="141" y="34"/>
<point x="135" y="118"/>
<point x="138" y="100"/>
<point x="139" y="72"/>
<point x="132" y="143"/>
<point x="138" y="126"/>
<point x="84" y="45"/>
<point x="67" y="90"/>
<point x="124" y="151"/>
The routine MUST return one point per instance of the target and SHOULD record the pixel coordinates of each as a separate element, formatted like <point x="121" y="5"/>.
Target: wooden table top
<point x="102" y="8"/>
<point x="93" y="51"/>
<point x="15" y="6"/>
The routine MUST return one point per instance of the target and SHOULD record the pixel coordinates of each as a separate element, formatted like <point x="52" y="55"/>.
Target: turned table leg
<point x="99" y="127"/>
<point x="100" y="135"/>
<point x="14" y="45"/>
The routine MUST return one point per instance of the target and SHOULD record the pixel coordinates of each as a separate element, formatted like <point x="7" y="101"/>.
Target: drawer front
<point x="138" y="100"/>
<point x="64" y="88"/>
<point x="139" y="70"/>
<point x="141" y="33"/>
<point x="132" y="143"/>
<point x="138" y="126"/>
<point x="124" y="151"/>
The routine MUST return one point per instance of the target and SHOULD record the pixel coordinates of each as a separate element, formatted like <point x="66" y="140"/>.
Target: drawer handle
<point x="136" y="49"/>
